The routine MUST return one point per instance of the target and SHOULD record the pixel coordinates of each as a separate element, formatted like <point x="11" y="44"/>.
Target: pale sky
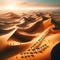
<point x="47" y="2"/>
<point x="13" y="4"/>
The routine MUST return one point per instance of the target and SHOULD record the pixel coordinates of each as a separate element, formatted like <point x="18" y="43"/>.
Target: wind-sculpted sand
<point x="28" y="37"/>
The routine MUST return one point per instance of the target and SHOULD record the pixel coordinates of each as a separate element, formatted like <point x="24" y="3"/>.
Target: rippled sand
<point x="28" y="36"/>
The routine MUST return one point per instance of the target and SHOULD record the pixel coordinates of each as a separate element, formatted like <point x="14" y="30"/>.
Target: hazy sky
<point x="47" y="2"/>
<point x="41" y="1"/>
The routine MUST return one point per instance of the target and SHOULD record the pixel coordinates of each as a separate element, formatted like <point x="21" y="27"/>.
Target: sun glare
<point x="14" y="7"/>
<point x="11" y="7"/>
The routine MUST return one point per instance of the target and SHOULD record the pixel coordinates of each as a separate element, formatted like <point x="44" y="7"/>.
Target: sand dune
<point x="29" y="36"/>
